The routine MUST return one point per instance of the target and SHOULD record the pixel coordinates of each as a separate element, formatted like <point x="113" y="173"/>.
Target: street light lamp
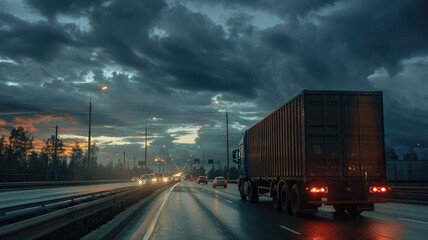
<point x="227" y="137"/>
<point x="90" y="123"/>
<point x="159" y="161"/>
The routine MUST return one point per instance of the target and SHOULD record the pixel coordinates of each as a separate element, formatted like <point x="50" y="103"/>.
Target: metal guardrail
<point x="9" y="185"/>
<point x="11" y="212"/>
<point x="410" y="189"/>
<point x="74" y="222"/>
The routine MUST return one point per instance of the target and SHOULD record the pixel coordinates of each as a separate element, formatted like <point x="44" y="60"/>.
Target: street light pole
<point x="89" y="132"/>
<point x="145" y="144"/>
<point x="227" y="137"/>
<point x="145" y="151"/>
<point x="89" y="135"/>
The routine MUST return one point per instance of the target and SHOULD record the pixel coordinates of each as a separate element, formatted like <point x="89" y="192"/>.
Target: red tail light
<point x="377" y="189"/>
<point x="318" y="189"/>
<point x="225" y="181"/>
<point x="216" y="181"/>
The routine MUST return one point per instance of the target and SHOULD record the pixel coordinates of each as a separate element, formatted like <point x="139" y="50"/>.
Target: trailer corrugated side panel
<point x="276" y="143"/>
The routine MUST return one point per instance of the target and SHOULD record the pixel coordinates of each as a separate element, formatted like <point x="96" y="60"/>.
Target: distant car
<point x="219" y="181"/>
<point x="145" y="180"/>
<point x="202" y="179"/>
<point x="187" y="177"/>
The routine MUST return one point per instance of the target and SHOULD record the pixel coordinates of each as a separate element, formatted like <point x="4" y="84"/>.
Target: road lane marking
<point x="411" y="220"/>
<point x="155" y="219"/>
<point x="229" y="201"/>
<point x="291" y="230"/>
<point x="31" y="197"/>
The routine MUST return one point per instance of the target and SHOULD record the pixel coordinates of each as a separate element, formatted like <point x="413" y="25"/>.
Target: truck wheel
<point x="340" y="209"/>
<point x="253" y="195"/>
<point x="296" y="201"/>
<point x="242" y="193"/>
<point x="285" y="198"/>
<point x="275" y="198"/>
<point x="353" y="210"/>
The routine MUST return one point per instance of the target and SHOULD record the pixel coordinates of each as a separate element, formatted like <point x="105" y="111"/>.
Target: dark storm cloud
<point x="50" y="8"/>
<point x="382" y="34"/>
<point x="279" y="7"/>
<point x="39" y="41"/>
<point x="199" y="56"/>
<point x="240" y="24"/>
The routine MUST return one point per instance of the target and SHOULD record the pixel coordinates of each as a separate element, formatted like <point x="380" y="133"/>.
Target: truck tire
<point x="275" y="198"/>
<point x="285" y="198"/>
<point x="296" y="201"/>
<point x="253" y="195"/>
<point x="353" y="210"/>
<point x="340" y="209"/>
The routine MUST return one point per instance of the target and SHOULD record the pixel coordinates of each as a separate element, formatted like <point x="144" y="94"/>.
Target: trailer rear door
<point x="344" y="135"/>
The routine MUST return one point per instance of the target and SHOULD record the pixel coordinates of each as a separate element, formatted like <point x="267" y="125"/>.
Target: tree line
<point x="19" y="161"/>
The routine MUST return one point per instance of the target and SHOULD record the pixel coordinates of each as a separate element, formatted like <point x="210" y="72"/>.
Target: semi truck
<point x="321" y="147"/>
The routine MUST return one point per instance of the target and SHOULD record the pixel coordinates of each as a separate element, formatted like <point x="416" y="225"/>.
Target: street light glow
<point x="104" y="88"/>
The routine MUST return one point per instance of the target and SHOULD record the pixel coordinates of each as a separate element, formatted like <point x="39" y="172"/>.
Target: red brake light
<point x="225" y="181"/>
<point x="216" y="181"/>
<point x="318" y="190"/>
<point x="377" y="189"/>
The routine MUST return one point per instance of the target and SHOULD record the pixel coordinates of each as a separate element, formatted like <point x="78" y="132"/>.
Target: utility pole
<point x="55" y="153"/>
<point x="227" y="136"/>
<point x="88" y="163"/>
<point x="145" y="151"/>
<point x="135" y="166"/>
<point x="124" y="161"/>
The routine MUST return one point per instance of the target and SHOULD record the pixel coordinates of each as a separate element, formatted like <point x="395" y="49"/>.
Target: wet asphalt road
<point x="192" y="211"/>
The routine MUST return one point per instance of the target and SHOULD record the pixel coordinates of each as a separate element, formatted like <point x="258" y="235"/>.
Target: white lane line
<point x="411" y="220"/>
<point x="291" y="230"/>
<point x="31" y="197"/>
<point x="155" y="219"/>
<point x="229" y="201"/>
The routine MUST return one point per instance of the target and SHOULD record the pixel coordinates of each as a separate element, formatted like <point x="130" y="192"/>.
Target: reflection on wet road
<point x="193" y="211"/>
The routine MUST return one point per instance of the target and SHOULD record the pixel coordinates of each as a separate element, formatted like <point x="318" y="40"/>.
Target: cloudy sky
<point x="173" y="59"/>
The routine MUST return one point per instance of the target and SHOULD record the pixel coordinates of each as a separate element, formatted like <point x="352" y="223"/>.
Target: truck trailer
<point x="321" y="147"/>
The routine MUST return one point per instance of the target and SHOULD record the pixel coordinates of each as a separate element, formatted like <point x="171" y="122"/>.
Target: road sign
<point x="210" y="161"/>
<point x="141" y="163"/>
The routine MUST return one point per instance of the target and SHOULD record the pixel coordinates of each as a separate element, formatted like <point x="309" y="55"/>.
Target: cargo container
<point x="321" y="147"/>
